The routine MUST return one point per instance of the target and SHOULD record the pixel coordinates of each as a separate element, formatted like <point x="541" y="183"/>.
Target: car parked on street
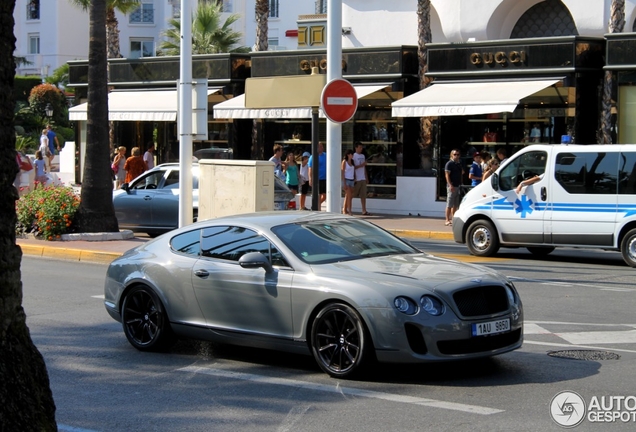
<point x="328" y="285"/>
<point x="150" y="203"/>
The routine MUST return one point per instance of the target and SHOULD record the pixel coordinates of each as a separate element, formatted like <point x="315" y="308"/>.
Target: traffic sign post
<point x="339" y="100"/>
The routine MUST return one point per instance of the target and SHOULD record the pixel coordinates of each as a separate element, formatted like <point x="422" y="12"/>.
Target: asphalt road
<point x="573" y="304"/>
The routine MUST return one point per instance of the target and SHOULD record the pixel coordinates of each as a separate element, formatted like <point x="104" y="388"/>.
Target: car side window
<point x="627" y="173"/>
<point x="521" y="168"/>
<point x="172" y="181"/>
<point x="151" y="181"/>
<point x="231" y="243"/>
<point x="188" y="243"/>
<point x="587" y="173"/>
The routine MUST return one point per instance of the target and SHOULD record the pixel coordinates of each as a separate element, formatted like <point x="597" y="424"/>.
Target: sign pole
<point x="334" y="130"/>
<point x="185" y="116"/>
<point x="315" y="161"/>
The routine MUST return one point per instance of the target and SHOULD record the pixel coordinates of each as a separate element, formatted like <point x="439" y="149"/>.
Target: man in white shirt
<point x="149" y="156"/>
<point x="360" y="184"/>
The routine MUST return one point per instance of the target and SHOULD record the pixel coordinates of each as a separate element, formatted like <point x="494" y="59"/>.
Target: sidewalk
<point x="107" y="250"/>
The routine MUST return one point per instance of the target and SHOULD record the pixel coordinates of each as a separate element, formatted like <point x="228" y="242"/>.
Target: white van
<point x="572" y="195"/>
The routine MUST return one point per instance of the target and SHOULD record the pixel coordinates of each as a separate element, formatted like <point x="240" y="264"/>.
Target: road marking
<point x="582" y="339"/>
<point x="99" y="297"/>
<point x="567" y="284"/>
<point x="474" y="409"/>
<point x="599" y="337"/>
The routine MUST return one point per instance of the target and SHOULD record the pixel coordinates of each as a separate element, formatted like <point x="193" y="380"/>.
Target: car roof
<point x="273" y="218"/>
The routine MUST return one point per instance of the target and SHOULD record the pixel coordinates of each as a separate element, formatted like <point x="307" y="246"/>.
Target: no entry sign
<point x="339" y="100"/>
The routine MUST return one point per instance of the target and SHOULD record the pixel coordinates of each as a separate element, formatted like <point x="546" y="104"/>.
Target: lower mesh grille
<point x="483" y="300"/>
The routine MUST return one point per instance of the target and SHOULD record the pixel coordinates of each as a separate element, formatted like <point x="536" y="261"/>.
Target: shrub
<point x="47" y="211"/>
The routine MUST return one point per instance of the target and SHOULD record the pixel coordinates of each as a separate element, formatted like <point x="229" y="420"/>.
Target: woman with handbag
<point x="118" y="167"/>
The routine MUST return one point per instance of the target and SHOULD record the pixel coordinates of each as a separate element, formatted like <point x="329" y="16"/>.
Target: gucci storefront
<point x="622" y="62"/>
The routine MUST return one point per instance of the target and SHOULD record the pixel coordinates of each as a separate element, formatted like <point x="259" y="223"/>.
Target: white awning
<point x="467" y="98"/>
<point x="151" y="105"/>
<point x="235" y="108"/>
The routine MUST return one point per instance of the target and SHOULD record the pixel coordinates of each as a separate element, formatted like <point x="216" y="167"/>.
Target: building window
<point x="273" y="9"/>
<point x="272" y="43"/>
<point x="226" y="5"/>
<point x="142" y="48"/>
<point x="33" y="10"/>
<point x="144" y="14"/>
<point x="34" y="44"/>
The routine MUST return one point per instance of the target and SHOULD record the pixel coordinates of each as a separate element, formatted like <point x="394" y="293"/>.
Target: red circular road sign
<point x="339" y="100"/>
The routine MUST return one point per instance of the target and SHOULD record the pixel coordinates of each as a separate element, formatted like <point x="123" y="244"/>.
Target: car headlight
<point x="432" y="305"/>
<point x="405" y="305"/>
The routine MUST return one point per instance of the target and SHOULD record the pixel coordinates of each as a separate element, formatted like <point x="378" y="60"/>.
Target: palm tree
<point x="112" y="25"/>
<point x="209" y="35"/>
<point x="26" y="400"/>
<point x="616" y="25"/>
<point x="262" y="44"/>
<point x="424" y="37"/>
<point x="96" y="212"/>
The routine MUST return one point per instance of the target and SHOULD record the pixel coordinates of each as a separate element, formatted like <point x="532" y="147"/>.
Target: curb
<point x="69" y="254"/>
<point x="436" y="235"/>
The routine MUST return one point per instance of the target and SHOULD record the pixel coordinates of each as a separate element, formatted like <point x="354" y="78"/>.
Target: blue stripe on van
<point x="523" y="206"/>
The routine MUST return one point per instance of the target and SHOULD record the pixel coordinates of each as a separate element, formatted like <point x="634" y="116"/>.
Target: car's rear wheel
<point x="482" y="239"/>
<point x="540" y="251"/>
<point x="628" y="248"/>
<point x="339" y="341"/>
<point x="145" y="321"/>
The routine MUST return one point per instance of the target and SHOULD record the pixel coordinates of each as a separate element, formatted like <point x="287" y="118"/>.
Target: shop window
<point x="33" y="10"/>
<point x="144" y="14"/>
<point x="142" y="48"/>
<point x="626" y="120"/>
<point x="34" y="44"/>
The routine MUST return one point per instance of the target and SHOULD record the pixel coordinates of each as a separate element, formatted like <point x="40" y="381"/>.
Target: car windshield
<point x="323" y="242"/>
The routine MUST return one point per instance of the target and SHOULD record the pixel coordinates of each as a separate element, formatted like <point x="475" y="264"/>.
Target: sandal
<point x="366" y="214"/>
<point x="448" y="223"/>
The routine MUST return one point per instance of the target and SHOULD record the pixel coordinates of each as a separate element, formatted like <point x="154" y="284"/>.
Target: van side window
<point x="587" y="173"/>
<point x="521" y="168"/>
<point x="627" y="173"/>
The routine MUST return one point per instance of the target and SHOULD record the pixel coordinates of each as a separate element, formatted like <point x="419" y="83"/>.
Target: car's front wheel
<point x="339" y="341"/>
<point x="482" y="239"/>
<point x="145" y="321"/>
<point x="628" y="248"/>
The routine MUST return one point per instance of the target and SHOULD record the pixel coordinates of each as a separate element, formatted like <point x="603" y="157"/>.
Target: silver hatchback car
<point x="150" y="203"/>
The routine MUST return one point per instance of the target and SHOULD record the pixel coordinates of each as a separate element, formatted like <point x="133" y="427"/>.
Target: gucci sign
<point x="306" y="65"/>
<point x="500" y="57"/>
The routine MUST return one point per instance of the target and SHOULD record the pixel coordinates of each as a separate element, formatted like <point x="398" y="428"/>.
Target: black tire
<point x="339" y="341"/>
<point x="145" y="321"/>
<point x="482" y="238"/>
<point x="540" y="251"/>
<point x="628" y="248"/>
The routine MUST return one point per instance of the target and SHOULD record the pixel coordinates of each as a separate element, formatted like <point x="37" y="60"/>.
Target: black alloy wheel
<point x="145" y="322"/>
<point x="338" y="341"/>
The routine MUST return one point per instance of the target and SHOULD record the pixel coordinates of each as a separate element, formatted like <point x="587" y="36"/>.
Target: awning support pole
<point x="315" y="161"/>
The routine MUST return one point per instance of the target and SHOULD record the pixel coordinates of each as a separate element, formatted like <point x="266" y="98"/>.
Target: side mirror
<point x="255" y="260"/>
<point x="125" y="187"/>
<point x="494" y="181"/>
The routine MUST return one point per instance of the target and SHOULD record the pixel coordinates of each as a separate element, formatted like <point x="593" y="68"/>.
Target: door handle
<point x="201" y="273"/>
<point x="147" y="198"/>
<point x="544" y="194"/>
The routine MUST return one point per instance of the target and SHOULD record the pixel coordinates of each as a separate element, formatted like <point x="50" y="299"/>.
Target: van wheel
<point x="628" y="248"/>
<point x="482" y="239"/>
<point x="540" y="251"/>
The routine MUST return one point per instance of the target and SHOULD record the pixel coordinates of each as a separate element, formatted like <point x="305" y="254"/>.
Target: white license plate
<point x="491" y="327"/>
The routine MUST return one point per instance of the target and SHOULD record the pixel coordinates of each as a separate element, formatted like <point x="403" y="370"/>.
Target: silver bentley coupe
<point x="328" y="285"/>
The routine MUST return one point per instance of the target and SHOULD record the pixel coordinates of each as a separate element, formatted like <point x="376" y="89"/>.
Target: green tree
<point x="45" y="94"/>
<point x="96" y="212"/>
<point x="26" y="400"/>
<point x="209" y="34"/>
<point x="59" y="77"/>
<point x="424" y="37"/>
<point x="616" y="25"/>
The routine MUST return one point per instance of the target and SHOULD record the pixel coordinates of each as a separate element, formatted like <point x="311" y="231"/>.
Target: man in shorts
<point x="360" y="184"/>
<point x="454" y="172"/>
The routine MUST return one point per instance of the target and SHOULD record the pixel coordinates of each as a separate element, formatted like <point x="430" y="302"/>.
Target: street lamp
<point x="49" y="110"/>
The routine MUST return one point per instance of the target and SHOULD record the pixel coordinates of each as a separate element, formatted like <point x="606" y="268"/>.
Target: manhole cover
<point x="585" y="355"/>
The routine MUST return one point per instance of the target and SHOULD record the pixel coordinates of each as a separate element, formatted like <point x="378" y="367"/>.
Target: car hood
<point x="420" y="269"/>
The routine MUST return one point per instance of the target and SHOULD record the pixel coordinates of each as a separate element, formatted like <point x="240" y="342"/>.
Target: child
<point x="292" y="176"/>
<point x="40" y="168"/>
